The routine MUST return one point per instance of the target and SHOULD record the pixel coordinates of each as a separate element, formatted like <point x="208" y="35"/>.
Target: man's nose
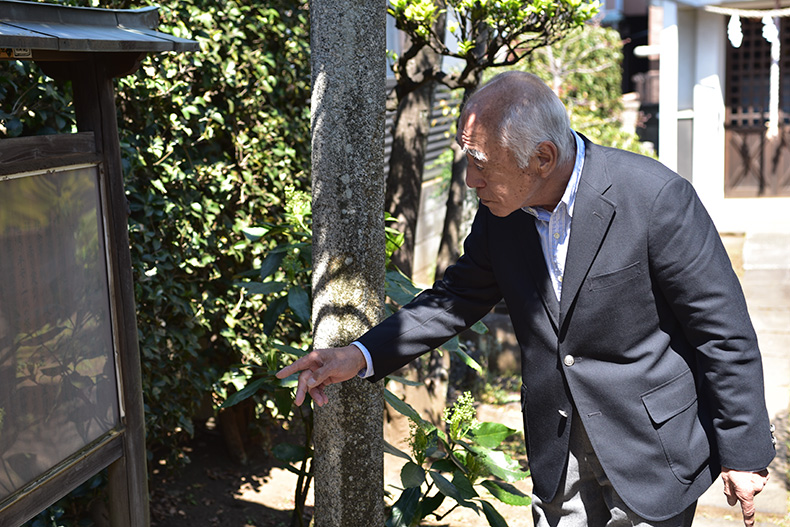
<point x="473" y="180"/>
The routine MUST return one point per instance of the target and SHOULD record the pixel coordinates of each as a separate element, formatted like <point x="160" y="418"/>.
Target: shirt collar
<point x="569" y="196"/>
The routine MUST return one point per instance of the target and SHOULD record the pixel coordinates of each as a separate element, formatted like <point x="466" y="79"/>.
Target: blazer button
<point x="569" y="360"/>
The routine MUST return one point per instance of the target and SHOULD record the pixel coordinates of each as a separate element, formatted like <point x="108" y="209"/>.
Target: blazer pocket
<point x="602" y="281"/>
<point x="673" y="410"/>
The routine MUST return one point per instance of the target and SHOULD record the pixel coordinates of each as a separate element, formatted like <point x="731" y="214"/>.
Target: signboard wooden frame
<point x="90" y="47"/>
<point x="123" y="448"/>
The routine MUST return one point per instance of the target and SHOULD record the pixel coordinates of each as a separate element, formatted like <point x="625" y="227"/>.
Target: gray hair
<point x="531" y="117"/>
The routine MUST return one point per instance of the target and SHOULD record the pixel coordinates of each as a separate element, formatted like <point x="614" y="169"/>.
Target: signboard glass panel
<point x="58" y="384"/>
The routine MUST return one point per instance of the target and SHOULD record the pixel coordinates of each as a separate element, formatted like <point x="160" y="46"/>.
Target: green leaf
<point x="273" y="312"/>
<point x="479" y="327"/>
<point x="159" y="185"/>
<point x="499" y="464"/>
<point x="289" y="382"/>
<point x="463" y="485"/>
<point x="389" y="449"/>
<point x="444" y="465"/>
<point x="494" y="518"/>
<point x="400" y="288"/>
<point x="290" y="350"/>
<point x="466" y="359"/>
<point x="237" y="378"/>
<point x="262" y="288"/>
<point x="270" y="264"/>
<point x="283" y="400"/>
<point x="404" y="509"/>
<point x="290" y="453"/>
<point x="506" y="493"/>
<point x="491" y="435"/>
<point x="246" y="393"/>
<point x="255" y="233"/>
<point x="299" y="302"/>
<point x="445" y="486"/>
<point x="453" y="344"/>
<point x="430" y="504"/>
<point x="404" y="408"/>
<point x="405" y="381"/>
<point x="450" y="490"/>
<point x="412" y="475"/>
<point x="465" y="46"/>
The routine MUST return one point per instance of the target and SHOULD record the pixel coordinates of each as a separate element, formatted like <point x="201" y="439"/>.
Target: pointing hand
<point x="323" y="367"/>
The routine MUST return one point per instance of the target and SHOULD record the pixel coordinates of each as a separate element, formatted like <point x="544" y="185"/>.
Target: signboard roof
<point x="39" y="26"/>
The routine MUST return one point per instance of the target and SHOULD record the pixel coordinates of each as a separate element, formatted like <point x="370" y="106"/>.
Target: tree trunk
<point x="348" y="108"/>
<point x="450" y="245"/>
<point x="407" y="157"/>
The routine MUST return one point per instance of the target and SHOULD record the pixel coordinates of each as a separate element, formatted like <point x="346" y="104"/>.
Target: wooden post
<point x="94" y="103"/>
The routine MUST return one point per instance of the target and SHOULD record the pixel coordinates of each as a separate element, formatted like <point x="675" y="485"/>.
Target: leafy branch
<point x="489" y="34"/>
<point x="451" y="464"/>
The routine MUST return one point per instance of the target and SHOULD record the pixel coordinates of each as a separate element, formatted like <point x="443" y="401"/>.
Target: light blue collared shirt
<point x="554" y="228"/>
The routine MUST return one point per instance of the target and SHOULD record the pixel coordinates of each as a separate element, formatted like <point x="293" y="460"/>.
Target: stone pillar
<point x="348" y="49"/>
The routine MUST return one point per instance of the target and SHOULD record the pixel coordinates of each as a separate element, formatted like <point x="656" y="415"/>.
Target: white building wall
<point x="693" y="56"/>
<point x="668" y="88"/>
<point x="708" y="105"/>
<point x="742" y="215"/>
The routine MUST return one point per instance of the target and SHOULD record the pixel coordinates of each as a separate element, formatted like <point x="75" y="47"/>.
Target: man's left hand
<point x="743" y="487"/>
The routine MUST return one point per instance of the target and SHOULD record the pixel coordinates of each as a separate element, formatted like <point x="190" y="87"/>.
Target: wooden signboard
<point x="70" y="385"/>
<point x="58" y="375"/>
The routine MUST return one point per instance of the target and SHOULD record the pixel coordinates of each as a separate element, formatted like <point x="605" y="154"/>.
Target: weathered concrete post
<point x="348" y="45"/>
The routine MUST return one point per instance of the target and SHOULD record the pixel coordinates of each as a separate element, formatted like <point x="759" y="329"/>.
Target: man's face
<point x="493" y="172"/>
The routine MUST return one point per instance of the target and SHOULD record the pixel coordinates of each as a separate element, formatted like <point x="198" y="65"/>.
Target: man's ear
<point x="546" y="155"/>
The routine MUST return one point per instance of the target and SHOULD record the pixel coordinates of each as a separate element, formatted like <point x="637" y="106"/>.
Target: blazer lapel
<point x="592" y="215"/>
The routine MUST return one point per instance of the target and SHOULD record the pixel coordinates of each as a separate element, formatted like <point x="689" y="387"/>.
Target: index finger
<point x="747" y="508"/>
<point x="298" y="365"/>
<point x="311" y="361"/>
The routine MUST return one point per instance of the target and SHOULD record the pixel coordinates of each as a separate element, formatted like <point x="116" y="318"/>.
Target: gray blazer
<point x="651" y="343"/>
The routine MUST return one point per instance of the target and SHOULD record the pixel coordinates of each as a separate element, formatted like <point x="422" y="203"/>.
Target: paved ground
<point x="766" y="283"/>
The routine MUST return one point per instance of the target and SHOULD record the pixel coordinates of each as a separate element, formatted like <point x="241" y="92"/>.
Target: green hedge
<point x="211" y="142"/>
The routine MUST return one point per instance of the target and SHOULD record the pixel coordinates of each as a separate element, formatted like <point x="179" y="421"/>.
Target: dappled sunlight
<point x="273" y="491"/>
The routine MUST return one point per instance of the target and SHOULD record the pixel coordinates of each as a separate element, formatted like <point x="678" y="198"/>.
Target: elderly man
<point x="642" y="379"/>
